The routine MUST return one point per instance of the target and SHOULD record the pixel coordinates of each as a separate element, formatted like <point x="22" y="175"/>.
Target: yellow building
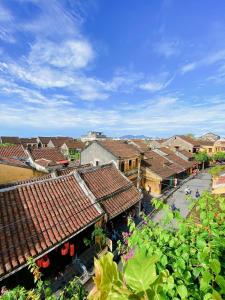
<point x="219" y="146"/>
<point x="218" y="185"/>
<point x="207" y="146"/>
<point x="12" y="170"/>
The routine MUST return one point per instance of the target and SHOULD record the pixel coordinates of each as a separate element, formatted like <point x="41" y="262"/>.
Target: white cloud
<point x="73" y="54"/>
<point x="6" y="25"/>
<point x="161" y="115"/>
<point x="167" y="48"/>
<point x="188" y="67"/>
<point x="154" y="86"/>
<point x="218" y="56"/>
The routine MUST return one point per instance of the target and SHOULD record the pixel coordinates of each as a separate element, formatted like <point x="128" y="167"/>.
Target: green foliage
<point x="132" y="282"/>
<point x="219" y="156"/>
<point x="202" y="157"/>
<point x="216" y="170"/>
<point x="6" y="144"/>
<point x="98" y="236"/>
<point x="186" y="261"/>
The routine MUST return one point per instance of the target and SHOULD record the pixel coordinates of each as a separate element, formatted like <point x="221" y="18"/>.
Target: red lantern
<point x="72" y="249"/>
<point x="45" y="261"/>
<point x="65" y="249"/>
<point x="39" y="262"/>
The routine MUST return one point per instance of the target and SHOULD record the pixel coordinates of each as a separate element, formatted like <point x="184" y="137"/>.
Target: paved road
<point x="202" y="182"/>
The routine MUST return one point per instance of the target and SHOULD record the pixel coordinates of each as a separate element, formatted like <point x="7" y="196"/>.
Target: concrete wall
<point x="95" y="152"/>
<point x="12" y="173"/>
<point x="176" y="141"/>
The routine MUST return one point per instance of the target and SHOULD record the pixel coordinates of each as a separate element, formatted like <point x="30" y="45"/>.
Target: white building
<point x="93" y="136"/>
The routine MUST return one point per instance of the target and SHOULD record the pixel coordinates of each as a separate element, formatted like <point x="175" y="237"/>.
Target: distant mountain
<point x="130" y="137"/>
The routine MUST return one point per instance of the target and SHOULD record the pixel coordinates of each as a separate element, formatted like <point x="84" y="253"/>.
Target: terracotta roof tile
<point x="69" y="170"/>
<point x="13" y="162"/>
<point x="114" y="190"/>
<point x="16" y="151"/>
<point x="186" y="153"/>
<point x="45" y="139"/>
<point x="140" y="144"/>
<point x="72" y="144"/>
<point x="38" y="216"/>
<point x="189" y="140"/>
<point x="50" y="154"/>
<point x="120" y="148"/>
<point x="59" y="141"/>
<point x="26" y="141"/>
<point x="206" y="143"/>
<point x="160" y="165"/>
<point x="171" y="155"/>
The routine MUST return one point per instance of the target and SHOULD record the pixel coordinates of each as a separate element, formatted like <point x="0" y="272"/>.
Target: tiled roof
<point x="186" y="153"/>
<point x="43" y="162"/>
<point x="220" y="143"/>
<point x="59" y="141"/>
<point x="119" y="148"/>
<point x="206" y="143"/>
<point x="69" y="170"/>
<point x="140" y="144"/>
<point x="12" y="162"/>
<point x="36" y="217"/>
<point x="176" y="159"/>
<point x="161" y="170"/>
<point x="72" y="144"/>
<point x="50" y="154"/>
<point x="16" y="151"/>
<point x="45" y="139"/>
<point x="107" y="183"/>
<point x="26" y="141"/>
<point x="11" y="140"/>
<point x="160" y="165"/>
<point x="190" y="140"/>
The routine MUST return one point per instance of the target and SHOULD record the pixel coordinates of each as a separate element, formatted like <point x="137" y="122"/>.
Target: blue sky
<point x="123" y="67"/>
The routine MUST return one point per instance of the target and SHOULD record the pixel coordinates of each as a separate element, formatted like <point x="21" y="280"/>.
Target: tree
<point x="202" y="157"/>
<point x="216" y="170"/>
<point x="191" y="135"/>
<point x="219" y="156"/>
<point x="187" y="260"/>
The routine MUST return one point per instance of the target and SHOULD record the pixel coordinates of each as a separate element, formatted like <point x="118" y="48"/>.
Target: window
<point x="210" y="150"/>
<point x="136" y="162"/>
<point x="96" y="163"/>
<point x="130" y="163"/>
<point x="122" y="166"/>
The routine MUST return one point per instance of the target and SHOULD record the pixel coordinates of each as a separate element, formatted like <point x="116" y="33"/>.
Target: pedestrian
<point x="197" y="194"/>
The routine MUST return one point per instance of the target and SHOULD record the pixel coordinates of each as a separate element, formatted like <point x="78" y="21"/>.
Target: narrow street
<point x="202" y="182"/>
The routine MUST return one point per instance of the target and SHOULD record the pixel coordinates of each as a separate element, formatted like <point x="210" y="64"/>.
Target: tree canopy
<point x="176" y="259"/>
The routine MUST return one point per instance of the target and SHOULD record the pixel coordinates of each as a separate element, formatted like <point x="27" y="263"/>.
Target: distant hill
<point x="130" y="137"/>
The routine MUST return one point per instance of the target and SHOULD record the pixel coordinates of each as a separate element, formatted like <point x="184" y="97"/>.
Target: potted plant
<point x="99" y="237"/>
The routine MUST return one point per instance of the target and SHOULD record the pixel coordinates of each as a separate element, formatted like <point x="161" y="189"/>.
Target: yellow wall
<point x="11" y="173"/>
<point x="219" y="190"/>
<point x="133" y="164"/>
<point x="152" y="180"/>
<point x="209" y="149"/>
<point x="218" y="149"/>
